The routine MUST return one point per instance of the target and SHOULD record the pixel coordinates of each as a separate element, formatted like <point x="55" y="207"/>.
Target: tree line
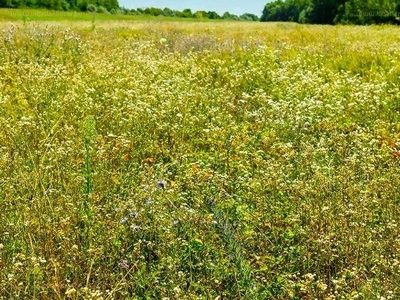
<point x="76" y="5"/>
<point x="112" y="6"/>
<point x="187" y="13"/>
<point x="361" y="12"/>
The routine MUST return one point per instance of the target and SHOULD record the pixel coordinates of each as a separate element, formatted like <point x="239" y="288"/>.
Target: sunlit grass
<point x="20" y="14"/>
<point x="151" y="160"/>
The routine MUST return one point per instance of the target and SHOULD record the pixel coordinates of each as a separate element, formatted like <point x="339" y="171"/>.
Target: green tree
<point x="213" y="15"/>
<point x="29" y="3"/>
<point x="289" y="10"/>
<point x="368" y="12"/>
<point x="228" y="16"/>
<point x="187" y="13"/>
<point x="324" y="11"/>
<point x="200" y="14"/>
<point x="153" y="11"/>
<point x="81" y="4"/>
<point x="167" y="12"/>
<point x="109" y="4"/>
<point x="72" y="4"/>
<point x="249" y="17"/>
<point x="296" y="7"/>
<point x="178" y="13"/>
<point x="7" y="3"/>
<point x="275" y="11"/>
<point x="333" y="11"/>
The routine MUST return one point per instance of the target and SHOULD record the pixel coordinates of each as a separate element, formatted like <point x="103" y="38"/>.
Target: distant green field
<point x="158" y="159"/>
<point x="52" y="15"/>
<point x="49" y="15"/>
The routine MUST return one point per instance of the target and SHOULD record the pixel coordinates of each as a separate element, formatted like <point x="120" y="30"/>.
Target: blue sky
<point x="236" y="7"/>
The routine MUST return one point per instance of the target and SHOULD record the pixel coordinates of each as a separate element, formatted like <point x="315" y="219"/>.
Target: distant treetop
<point x="82" y="5"/>
<point x="333" y="11"/>
<point x="187" y="13"/>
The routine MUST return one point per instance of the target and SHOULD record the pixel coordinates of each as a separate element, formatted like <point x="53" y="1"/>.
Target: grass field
<point x="9" y="14"/>
<point x="211" y="160"/>
<point x="51" y="15"/>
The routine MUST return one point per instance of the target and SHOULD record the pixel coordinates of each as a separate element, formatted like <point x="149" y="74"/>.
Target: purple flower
<point x="161" y="184"/>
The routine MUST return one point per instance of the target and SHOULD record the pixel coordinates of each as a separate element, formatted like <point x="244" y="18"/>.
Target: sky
<point x="237" y="7"/>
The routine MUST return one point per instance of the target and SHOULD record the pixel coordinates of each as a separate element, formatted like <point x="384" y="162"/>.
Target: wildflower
<point x="161" y="184"/>
<point x="124" y="264"/>
<point x="149" y="200"/>
<point x="322" y="286"/>
<point x="135" y="228"/>
<point x="133" y="214"/>
<point x="124" y="220"/>
<point x="70" y="293"/>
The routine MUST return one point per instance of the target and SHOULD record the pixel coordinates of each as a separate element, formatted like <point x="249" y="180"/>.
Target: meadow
<point x="157" y="159"/>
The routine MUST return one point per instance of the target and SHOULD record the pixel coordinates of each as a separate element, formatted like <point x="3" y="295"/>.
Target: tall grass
<point x="166" y="160"/>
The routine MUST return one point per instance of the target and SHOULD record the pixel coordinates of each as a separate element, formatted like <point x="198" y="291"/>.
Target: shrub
<point x="91" y="8"/>
<point x="102" y="10"/>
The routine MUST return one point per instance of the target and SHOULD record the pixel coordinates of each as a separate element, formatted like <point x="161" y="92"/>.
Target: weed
<point x="113" y="134"/>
